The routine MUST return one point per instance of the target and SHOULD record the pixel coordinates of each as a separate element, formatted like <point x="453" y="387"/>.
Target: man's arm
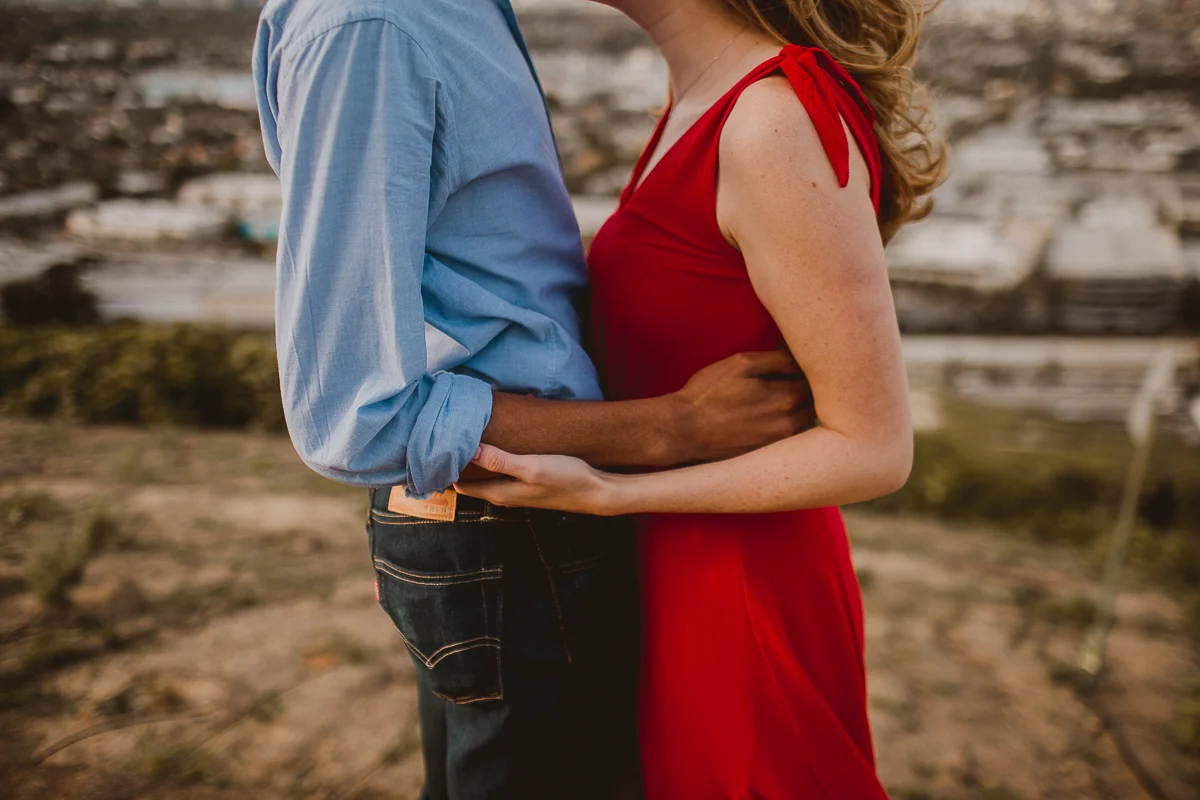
<point x="724" y="410"/>
<point x="350" y="118"/>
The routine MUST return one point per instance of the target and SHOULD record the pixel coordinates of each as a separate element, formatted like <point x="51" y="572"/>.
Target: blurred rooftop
<point x="131" y="149"/>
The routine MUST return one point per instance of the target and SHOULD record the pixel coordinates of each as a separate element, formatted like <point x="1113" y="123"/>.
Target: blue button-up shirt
<point x="427" y="248"/>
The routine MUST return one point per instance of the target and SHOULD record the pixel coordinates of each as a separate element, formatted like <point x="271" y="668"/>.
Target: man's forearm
<point x="631" y="432"/>
<point x="726" y="409"/>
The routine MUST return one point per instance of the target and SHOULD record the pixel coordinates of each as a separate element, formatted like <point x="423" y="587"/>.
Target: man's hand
<point x="740" y="404"/>
<point x="729" y="408"/>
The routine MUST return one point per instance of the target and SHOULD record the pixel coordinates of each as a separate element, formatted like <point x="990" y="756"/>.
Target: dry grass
<point x="228" y="589"/>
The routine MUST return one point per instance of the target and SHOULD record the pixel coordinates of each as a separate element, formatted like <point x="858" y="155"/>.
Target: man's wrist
<point x="671" y="432"/>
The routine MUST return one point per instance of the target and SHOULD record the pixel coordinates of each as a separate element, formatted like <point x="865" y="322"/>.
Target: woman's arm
<point x="725" y="409"/>
<point x="816" y="260"/>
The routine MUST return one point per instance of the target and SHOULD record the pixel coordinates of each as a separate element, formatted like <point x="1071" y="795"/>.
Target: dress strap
<point x="829" y="95"/>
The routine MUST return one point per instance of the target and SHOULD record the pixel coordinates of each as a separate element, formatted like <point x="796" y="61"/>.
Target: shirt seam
<point x="296" y="49"/>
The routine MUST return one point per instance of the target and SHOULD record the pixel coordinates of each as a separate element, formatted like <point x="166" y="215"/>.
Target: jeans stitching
<point x="396" y="518"/>
<point x="435" y="575"/>
<point x="468" y="700"/>
<point x="439" y="656"/>
<point x="460" y="582"/>
<point x="393" y="523"/>
<point x="492" y="643"/>
<point x="487" y="630"/>
<point x="498" y="652"/>
<point x="403" y="519"/>
<point x="580" y="568"/>
<point x="442" y="653"/>
<point x="435" y="579"/>
<point x="562" y="629"/>
<point x="489" y="515"/>
<point x="576" y="566"/>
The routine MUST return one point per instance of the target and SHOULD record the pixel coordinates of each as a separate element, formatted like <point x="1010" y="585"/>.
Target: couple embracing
<point x="645" y="591"/>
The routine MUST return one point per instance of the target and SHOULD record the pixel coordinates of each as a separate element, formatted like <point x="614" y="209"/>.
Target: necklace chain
<point x="710" y="65"/>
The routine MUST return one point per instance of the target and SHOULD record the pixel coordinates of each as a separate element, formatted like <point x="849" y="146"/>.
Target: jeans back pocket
<point x="441" y="584"/>
<point x="584" y="557"/>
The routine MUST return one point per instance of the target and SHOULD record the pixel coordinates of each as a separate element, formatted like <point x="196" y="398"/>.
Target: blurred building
<point x="131" y="147"/>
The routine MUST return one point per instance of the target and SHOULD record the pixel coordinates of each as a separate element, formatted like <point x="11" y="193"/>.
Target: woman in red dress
<point x="755" y="220"/>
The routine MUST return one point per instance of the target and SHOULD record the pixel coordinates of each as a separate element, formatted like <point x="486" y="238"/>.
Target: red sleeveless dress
<point x="753" y="681"/>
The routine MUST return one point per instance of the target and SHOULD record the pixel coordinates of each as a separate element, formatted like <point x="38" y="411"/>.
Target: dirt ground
<point x="223" y="641"/>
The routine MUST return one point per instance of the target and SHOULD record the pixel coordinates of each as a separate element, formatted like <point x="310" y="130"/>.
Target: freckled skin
<point x="765" y="607"/>
<point x="815" y="259"/>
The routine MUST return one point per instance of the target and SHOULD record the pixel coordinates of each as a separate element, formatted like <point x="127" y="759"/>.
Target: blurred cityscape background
<point x="187" y="612"/>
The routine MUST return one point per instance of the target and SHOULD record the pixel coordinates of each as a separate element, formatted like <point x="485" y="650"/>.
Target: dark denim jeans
<point x="523" y="626"/>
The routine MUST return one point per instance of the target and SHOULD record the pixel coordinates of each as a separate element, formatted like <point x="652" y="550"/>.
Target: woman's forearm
<point x="820" y="467"/>
<point x="724" y="409"/>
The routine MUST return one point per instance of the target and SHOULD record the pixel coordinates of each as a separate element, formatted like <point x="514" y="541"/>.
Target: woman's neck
<point x="690" y="34"/>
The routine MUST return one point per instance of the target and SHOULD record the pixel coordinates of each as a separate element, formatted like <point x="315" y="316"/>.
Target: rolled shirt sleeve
<point x="351" y="120"/>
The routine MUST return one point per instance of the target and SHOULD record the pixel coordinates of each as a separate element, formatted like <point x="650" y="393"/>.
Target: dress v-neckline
<point x="640" y="174"/>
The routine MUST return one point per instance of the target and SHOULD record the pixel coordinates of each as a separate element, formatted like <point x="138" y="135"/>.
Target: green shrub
<point x="171" y="375"/>
<point x="55" y="562"/>
<point x="194" y="375"/>
<point x="1047" y="495"/>
<point x="178" y="764"/>
<point x="256" y="364"/>
<point x="103" y="531"/>
<point x="1185" y="724"/>
<point x="1172" y="558"/>
<point x="1062" y="496"/>
<point x="22" y="508"/>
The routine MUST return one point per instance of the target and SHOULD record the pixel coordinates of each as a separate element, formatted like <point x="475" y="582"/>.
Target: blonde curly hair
<point x="876" y="42"/>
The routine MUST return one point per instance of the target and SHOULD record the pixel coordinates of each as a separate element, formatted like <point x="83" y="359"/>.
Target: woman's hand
<point x="561" y="483"/>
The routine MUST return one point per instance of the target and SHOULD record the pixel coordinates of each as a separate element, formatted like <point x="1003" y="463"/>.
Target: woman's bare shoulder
<point x="770" y="133"/>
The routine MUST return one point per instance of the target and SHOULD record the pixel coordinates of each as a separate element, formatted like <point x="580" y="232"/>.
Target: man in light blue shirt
<point x="428" y="269"/>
